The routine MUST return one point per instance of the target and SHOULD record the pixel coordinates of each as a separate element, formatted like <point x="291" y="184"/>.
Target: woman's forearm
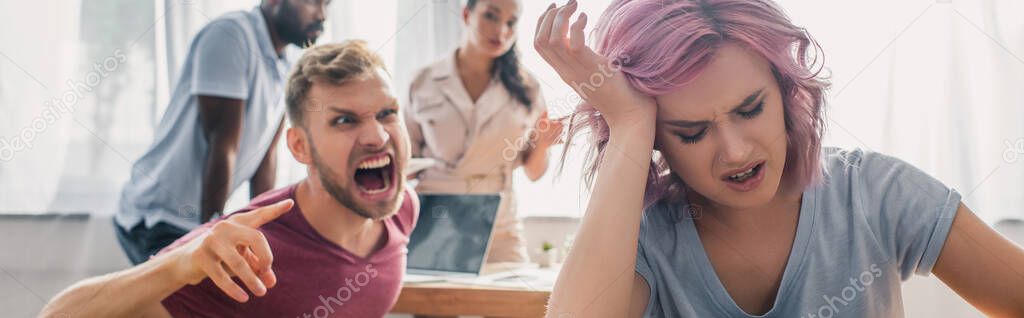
<point x="128" y="293"/>
<point x="598" y="275"/>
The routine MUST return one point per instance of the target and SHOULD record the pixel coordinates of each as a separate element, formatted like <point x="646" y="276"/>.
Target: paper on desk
<point x="523" y="278"/>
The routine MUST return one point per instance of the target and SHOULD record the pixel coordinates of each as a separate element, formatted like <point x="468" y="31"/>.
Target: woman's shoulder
<point x="663" y="216"/>
<point x="882" y="183"/>
<point x="427" y="73"/>
<point x="860" y="163"/>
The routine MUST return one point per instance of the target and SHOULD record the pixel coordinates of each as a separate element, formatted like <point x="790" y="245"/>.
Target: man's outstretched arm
<point x="138" y="291"/>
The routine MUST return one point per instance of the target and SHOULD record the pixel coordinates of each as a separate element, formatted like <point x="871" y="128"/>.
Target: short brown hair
<point x="336" y="63"/>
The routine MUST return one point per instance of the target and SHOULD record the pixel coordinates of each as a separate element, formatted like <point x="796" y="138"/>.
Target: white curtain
<point x="39" y="94"/>
<point x="935" y="83"/>
<point x="955" y="104"/>
<point x="432" y="29"/>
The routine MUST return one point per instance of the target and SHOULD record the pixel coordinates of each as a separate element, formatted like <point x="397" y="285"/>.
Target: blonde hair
<point x="335" y="63"/>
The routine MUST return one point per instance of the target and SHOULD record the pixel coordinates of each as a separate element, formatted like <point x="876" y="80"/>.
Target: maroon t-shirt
<point x="315" y="277"/>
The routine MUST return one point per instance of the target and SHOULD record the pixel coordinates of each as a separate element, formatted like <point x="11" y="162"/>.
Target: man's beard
<point x="377" y="211"/>
<point x="290" y="29"/>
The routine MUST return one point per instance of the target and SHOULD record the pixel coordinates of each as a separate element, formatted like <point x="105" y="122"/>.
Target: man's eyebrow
<point x="344" y="111"/>
<point x="697" y="123"/>
<point x="340" y="110"/>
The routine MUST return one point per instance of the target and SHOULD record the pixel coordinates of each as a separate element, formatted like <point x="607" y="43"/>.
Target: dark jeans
<point x="140" y="242"/>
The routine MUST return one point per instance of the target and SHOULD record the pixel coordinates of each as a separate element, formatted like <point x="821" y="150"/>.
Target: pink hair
<point x="661" y="45"/>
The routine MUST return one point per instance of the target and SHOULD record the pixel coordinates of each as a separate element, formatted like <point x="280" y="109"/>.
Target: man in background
<point x="221" y="126"/>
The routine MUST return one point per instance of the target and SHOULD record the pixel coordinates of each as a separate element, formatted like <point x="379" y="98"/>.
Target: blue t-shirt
<point x="231" y="57"/>
<point x="874" y="222"/>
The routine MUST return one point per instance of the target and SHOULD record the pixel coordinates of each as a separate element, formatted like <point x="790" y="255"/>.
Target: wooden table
<point x="445" y="299"/>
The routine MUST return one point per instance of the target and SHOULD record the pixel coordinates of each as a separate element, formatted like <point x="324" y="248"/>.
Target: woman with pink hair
<point x="712" y="195"/>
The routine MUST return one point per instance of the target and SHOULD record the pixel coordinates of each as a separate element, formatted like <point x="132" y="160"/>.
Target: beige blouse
<point x="477" y="145"/>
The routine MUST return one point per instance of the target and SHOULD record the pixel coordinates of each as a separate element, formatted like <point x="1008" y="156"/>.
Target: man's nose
<point x="374" y="136"/>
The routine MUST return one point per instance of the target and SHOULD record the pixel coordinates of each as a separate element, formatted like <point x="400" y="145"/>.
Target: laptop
<point x="452" y="236"/>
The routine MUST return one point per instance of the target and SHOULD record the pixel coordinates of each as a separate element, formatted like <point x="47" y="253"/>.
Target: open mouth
<point x="375" y="175"/>
<point x="742" y="176"/>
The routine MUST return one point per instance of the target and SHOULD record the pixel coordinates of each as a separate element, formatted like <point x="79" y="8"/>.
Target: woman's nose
<point x="735" y="148"/>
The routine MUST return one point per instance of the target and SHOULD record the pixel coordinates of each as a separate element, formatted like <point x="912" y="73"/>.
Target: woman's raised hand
<point x="597" y="79"/>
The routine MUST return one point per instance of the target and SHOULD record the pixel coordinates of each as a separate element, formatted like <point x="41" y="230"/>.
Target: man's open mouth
<point x="374" y="175"/>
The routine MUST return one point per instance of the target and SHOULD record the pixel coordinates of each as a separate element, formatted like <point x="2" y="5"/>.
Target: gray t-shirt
<point x="873" y="222"/>
<point x="231" y="57"/>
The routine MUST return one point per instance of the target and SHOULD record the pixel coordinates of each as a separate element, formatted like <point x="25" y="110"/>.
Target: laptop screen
<point x="452" y="233"/>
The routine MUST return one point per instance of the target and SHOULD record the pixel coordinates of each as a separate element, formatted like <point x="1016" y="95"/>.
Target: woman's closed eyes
<point x="748" y="114"/>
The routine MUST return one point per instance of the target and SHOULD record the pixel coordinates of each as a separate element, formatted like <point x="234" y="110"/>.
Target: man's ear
<point x="298" y="144"/>
<point x="465" y="15"/>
